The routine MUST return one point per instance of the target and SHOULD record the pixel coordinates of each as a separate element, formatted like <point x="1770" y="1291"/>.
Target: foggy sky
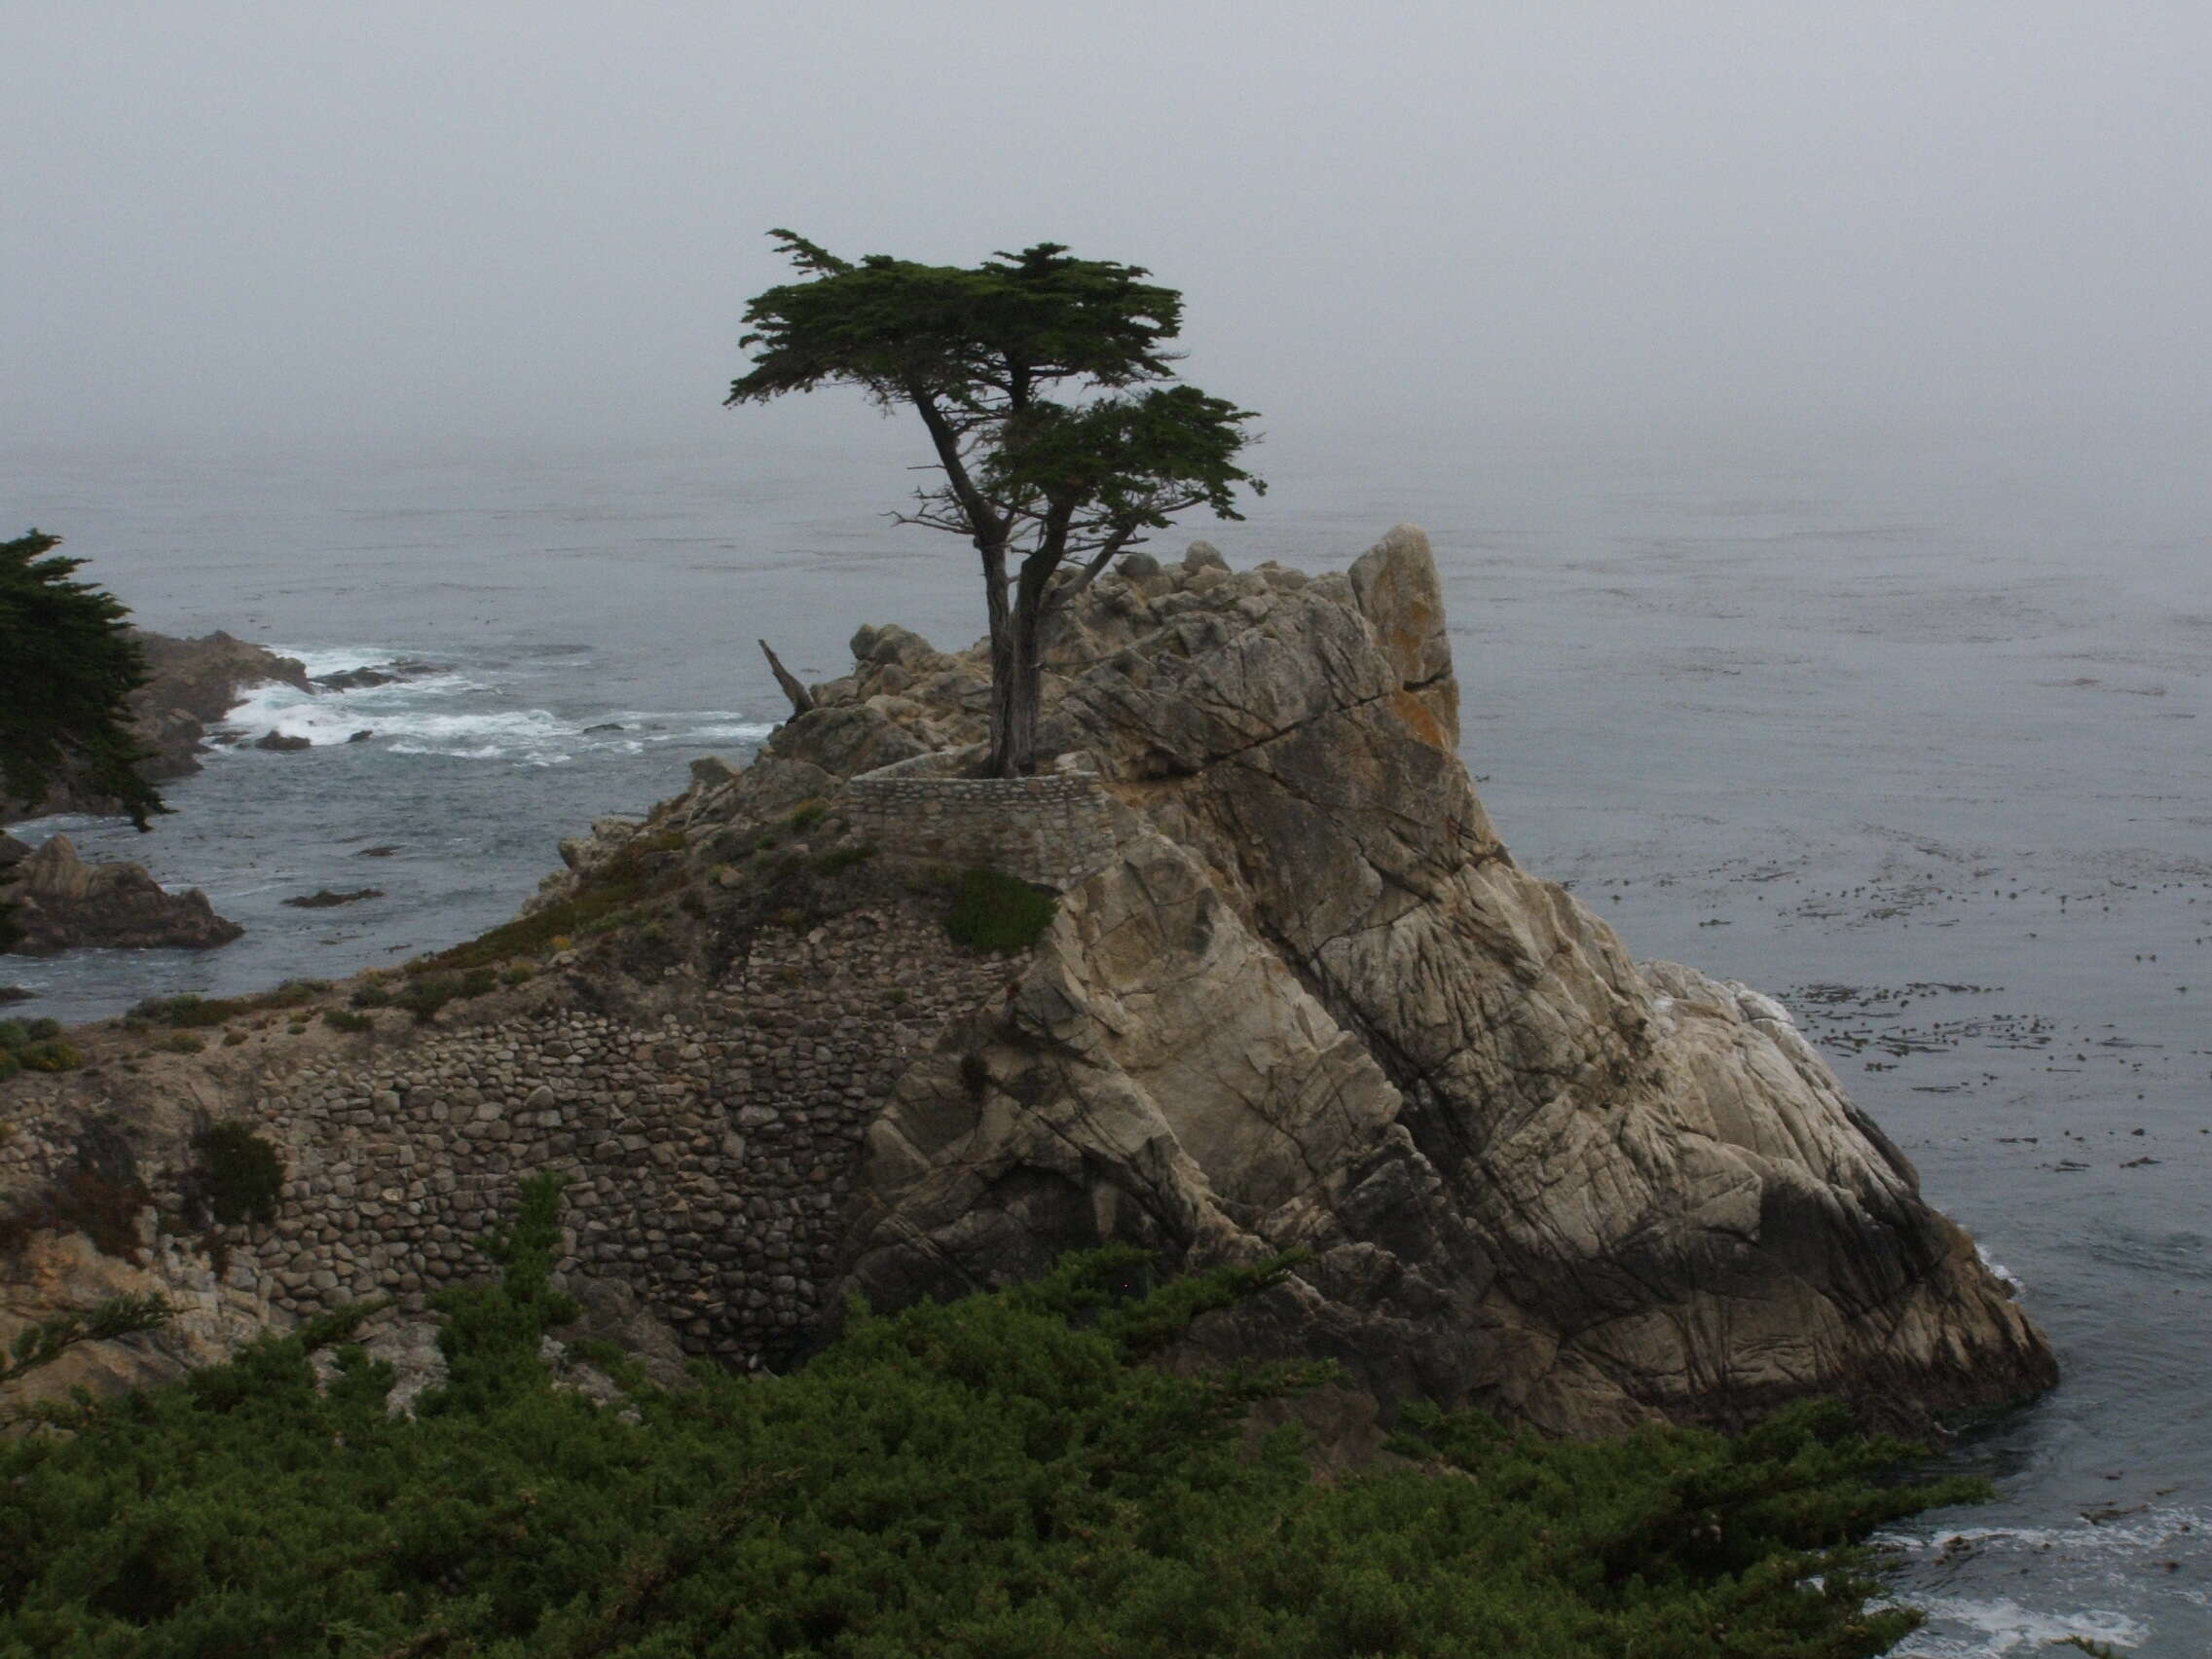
<point x="540" y="221"/>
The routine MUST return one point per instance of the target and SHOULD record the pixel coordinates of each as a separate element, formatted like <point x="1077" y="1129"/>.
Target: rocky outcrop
<point x="190" y="684"/>
<point x="1315" y="1005"/>
<point x="1298" y="997"/>
<point x="60" y="903"/>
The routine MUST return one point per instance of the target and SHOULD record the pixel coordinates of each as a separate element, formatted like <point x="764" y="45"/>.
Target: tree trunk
<point x="1015" y="669"/>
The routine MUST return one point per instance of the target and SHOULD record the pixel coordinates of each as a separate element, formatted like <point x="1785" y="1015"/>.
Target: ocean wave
<point x="2125" y="1557"/>
<point x="1969" y="1627"/>
<point x="416" y="716"/>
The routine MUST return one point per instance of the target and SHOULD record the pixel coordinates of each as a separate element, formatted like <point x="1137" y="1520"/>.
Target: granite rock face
<point x="61" y="904"/>
<point x="1314" y="1003"/>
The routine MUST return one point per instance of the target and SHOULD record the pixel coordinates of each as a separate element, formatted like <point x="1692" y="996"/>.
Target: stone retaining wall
<point x="711" y="1162"/>
<point x="1052" y="829"/>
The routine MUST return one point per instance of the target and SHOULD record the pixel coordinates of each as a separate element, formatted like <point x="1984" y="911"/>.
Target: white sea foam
<point x="1965" y="1627"/>
<point x="2003" y="1274"/>
<point x="416" y="716"/>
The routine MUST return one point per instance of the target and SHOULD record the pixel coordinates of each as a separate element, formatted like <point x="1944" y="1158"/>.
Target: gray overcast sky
<point x="542" y="220"/>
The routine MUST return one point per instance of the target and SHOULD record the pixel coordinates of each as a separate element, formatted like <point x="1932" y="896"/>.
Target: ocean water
<point x="1907" y="729"/>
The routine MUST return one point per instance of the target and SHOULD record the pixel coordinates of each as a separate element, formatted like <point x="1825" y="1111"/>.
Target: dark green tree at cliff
<point x="1042" y="383"/>
<point x="67" y="666"/>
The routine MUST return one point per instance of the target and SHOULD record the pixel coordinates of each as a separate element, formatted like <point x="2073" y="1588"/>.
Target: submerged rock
<point x="323" y="898"/>
<point x="64" y="904"/>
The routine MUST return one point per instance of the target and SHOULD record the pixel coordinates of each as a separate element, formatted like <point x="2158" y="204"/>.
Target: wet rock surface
<point x="61" y="903"/>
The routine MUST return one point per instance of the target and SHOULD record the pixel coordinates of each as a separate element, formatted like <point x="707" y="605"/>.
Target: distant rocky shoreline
<point x="190" y="684"/>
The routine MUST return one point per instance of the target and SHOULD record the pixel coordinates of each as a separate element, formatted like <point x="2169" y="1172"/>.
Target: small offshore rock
<point x="277" y="742"/>
<point x="324" y="898"/>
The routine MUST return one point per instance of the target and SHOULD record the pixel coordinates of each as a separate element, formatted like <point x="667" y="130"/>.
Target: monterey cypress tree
<point x="1039" y="380"/>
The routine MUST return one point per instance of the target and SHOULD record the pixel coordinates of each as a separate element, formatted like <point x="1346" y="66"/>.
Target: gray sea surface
<point x="1902" y="728"/>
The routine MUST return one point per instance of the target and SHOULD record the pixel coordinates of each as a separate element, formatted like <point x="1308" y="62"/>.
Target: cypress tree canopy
<point x="67" y="666"/>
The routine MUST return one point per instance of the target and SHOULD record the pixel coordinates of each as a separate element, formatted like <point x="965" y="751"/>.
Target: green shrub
<point x="182" y="1042"/>
<point x="238" y="1175"/>
<point x="9" y="1064"/>
<point x="806" y="816"/>
<point x="842" y="859"/>
<point x="13" y="1035"/>
<point x="341" y="1020"/>
<point x="1005" y="1475"/>
<point x="232" y="1039"/>
<point x="995" y="912"/>
<point x="44" y="1030"/>
<point x="423" y="997"/>
<point x="52" y="1056"/>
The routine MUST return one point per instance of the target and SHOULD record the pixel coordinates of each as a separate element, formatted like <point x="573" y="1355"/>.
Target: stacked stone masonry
<point x="711" y="1162"/>
<point x="1053" y="829"/>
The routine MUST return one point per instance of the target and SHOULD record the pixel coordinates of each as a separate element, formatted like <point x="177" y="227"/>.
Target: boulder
<point x="61" y="903"/>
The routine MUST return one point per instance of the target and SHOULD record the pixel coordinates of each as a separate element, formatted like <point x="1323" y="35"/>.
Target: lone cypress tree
<point x="1039" y="380"/>
<point x="67" y="666"/>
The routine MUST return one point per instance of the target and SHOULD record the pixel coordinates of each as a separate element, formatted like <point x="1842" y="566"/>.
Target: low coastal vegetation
<point x="1005" y="1475"/>
<point x="35" y="1045"/>
<point x="995" y="912"/>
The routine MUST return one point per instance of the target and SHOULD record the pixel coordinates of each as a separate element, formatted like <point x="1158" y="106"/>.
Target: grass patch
<point x="645" y="868"/>
<point x="344" y="1020"/>
<point x="424" y="995"/>
<point x="995" y="912"/>
<point x="181" y="1042"/>
<point x="842" y="859"/>
<point x="192" y="1011"/>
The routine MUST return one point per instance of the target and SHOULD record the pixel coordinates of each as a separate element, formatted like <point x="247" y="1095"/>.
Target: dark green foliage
<point x="806" y="816"/>
<point x="996" y="912"/>
<point x="67" y="666"/>
<point x="1037" y="378"/>
<point x="46" y="1340"/>
<point x="990" y="1479"/>
<point x="340" y="1019"/>
<point x="237" y="1174"/>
